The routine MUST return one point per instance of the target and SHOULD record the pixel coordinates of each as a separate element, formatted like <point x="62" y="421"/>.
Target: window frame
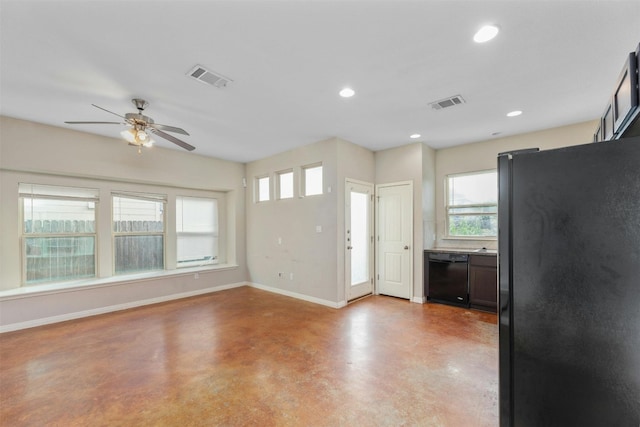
<point x="12" y="263"/>
<point x="449" y="207"/>
<point x="61" y="193"/>
<point x="258" y="193"/>
<point x="216" y="234"/>
<point x="303" y="179"/>
<point x="279" y="176"/>
<point x="153" y="197"/>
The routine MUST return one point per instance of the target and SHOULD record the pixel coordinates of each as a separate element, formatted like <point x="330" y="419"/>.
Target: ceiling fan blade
<point x="94" y="123"/>
<point x="104" y="109"/>
<point x="173" y="139"/>
<point x="168" y="128"/>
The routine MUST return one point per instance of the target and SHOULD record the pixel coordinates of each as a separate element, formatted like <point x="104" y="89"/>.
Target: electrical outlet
<point x="290" y="276"/>
<point x="196" y="276"/>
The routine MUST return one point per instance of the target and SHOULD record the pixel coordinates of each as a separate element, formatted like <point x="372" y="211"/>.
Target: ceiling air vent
<point x="209" y="77"/>
<point x="447" y="102"/>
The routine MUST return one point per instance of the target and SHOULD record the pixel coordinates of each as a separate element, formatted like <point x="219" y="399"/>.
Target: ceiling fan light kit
<point x="141" y="127"/>
<point x="137" y="137"/>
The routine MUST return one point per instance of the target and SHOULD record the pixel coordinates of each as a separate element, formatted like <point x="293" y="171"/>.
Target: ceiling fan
<point x="141" y="126"/>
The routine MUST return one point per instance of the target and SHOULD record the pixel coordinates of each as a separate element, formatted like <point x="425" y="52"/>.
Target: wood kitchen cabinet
<point x="483" y="282"/>
<point x="621" y="118"/>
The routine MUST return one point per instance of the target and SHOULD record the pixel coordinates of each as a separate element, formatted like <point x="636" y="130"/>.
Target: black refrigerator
<point x="569" y="285"/>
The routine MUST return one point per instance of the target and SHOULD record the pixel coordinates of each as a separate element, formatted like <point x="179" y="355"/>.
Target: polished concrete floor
<point x="246" y="357"/>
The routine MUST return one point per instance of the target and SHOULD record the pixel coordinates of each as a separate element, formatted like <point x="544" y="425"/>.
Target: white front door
<point x="358" y="239"/>
<point x="395" y="239"/>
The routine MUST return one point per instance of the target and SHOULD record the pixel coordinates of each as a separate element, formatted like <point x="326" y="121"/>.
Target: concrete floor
<point x="249" y="357"/>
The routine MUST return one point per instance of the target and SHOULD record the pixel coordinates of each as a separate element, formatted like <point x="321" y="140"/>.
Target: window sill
<point x="479" y="238"/>
<point x="52" y="288"/>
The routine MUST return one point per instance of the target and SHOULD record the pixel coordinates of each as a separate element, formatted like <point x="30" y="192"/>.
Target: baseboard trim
<point x="112" y="308"/>
<point x="296" y="295"/>
<point x="418" y="300"/>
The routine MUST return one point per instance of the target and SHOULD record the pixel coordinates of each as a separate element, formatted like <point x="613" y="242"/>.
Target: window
<point x="58" y="232"/>
<point x="197" y="231"/>
<point x="472" y="204"/>
<point x="312" y="176"/>
<point x="65" y="231"/>
<point x="285" y="185"/>
<point x="262" y="186"/>
<point x="138" y="227"/>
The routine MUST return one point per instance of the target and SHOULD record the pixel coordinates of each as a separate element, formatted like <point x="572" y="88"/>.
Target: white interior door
<point x="358" y="239"/>
<point x="394" y="232"/>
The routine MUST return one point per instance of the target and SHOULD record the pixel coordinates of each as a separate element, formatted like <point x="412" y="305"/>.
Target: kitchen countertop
<point x="487" y="252"/>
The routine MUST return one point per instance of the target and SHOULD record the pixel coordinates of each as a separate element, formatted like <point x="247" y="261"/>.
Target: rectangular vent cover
<point x="209" y="77"/>
<point x="447" y="102"/>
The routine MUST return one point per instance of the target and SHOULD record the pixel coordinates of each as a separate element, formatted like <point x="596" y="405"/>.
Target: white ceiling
<point x="555" y="60"/>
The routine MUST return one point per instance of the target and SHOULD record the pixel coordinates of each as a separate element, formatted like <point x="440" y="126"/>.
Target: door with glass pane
<point x="358" y="239"/>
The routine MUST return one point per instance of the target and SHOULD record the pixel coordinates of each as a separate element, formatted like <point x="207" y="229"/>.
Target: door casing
<point x="405" y="241"/>
<point x="362" y="289"/>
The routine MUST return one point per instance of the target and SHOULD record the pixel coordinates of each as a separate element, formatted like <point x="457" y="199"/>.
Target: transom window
<point x="472" y="204"/>
<point x="263" y="193"/>
<point x="285" y="184"/>
<point x="312" y="176"/>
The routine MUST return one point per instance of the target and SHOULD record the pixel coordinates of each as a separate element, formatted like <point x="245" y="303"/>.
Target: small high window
<point x="312" y="176"/>
<point x="263" y="193"/>
<point x="285" y="184"/>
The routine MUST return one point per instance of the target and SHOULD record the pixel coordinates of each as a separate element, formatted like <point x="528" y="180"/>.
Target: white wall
<point x="483" y="156"/>
<point x="31" y="151"/>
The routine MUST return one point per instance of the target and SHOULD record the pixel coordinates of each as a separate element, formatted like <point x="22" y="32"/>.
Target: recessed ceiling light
<point x="347" y="92"/>
<point x="514" y="113"/>
<point x="486" y="33"/>
<point x="415" y="135"/>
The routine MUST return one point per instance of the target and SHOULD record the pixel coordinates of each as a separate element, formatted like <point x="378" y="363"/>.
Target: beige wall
<point x="483" y="156"/>
<point x="282" y="235"/>
<point x="428" y="197"/>
<point x="53" y="155"/>
<point x="406" y="163"/>
<point x="264" y="239"/>
<point x="356" y="163"/>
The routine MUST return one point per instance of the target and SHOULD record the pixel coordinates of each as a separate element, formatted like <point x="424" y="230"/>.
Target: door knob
<point x="349" y="247"/>
<point x="406" y="247"/>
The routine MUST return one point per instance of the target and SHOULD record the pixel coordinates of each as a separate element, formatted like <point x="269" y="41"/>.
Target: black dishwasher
<point x="448" y="278"/>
